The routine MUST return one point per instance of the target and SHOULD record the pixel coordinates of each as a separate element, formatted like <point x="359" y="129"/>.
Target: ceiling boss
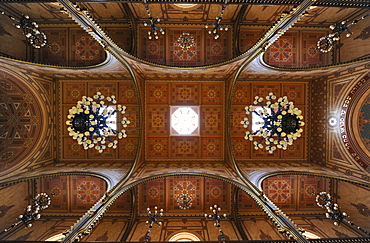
<point x="92" y="122"/>
<point x="276" y="124"/>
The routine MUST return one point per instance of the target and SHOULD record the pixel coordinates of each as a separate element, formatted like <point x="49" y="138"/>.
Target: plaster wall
<point x="260" y="228"/>
<point x="358" y="44"/>
<point x="324" y="228"/>
<point x="13" y="42"/>
<point x="11" y="204"/>
<point x="108" y="230"/>
<point x="202" y="228"/>
<point x="355" y="201"/>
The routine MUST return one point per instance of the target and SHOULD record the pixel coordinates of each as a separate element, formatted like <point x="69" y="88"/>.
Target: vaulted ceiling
<point x="149" y="76"/>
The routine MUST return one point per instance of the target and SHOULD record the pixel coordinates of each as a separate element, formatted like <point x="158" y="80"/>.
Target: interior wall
<point x="324" y="227"/>
<point x="358" y="44"/>
<point x="108" y="229"/>
<point x="260" y="228"/>
<point x="201" y="227"/>
<point x="13" y="202"/>
<point x="338" y="123"/>
<point x="13" y="42"/>
<point x="355" y="201"/>
<point x="41" y="230"/>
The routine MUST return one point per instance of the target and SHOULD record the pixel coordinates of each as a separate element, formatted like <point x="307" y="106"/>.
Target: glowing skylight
<point x="111" y="121"/>
<point x="184" y="120"/>
<point x="257" y="120"/>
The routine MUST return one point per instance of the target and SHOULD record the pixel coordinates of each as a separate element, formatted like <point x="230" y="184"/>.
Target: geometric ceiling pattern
<point x="164" y="192"/>
<point x="201" y="77"/>
<point x="20" y="121"/>
<point x="160" y="96"/>
<point x="244" y="94"/>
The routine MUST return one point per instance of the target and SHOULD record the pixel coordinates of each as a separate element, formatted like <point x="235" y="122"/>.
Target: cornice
<point x="352" y="181"/>
<point x="323" y="3"/>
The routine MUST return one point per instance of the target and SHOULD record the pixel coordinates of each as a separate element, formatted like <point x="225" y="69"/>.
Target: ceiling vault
<point x="231" y="71"/>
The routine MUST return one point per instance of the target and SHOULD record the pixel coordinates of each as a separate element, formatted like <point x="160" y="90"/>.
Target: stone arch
<point x="25" y="126"/>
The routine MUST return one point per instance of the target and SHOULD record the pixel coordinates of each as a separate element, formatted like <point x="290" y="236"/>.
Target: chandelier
<point x="185" y="41"/>
<point x="92" y="122"/>
<point x="278" y="123"/>
<point x="324" y="200"/>
<point x="32" y="212"/>
<point x="326" y="43"/>
<point x="184" y="200"/>
<point x="152" y="219"/>
<point x="154" y="30"/>
<point x="30" y="29"/>
<point x="216" y="217"/>
<point x="217" y="26"/>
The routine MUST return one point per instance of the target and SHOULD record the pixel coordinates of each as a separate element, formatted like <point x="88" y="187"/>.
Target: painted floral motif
<point x="279" y="191"/>
<point x="185" y="93"/>
<point x="153" y="192"/>
<point x="211" y="147"/>
<point x="312" y="51"/>
<point x="238" y="147"/>
<point x="281" y="51"/>
<point x="130" y="147"/>
<point x="185" y="147"/>
<point x="216" y="192"/>
<point x="153" y="48"/>
<point x="211" y="120"/>
<point x="75" y="93"/>
<point x="86" y="48"/>
<point x="158" y="147"/>
<point x="54" y="48"/>
<point x="158" y="93"/>
<point x="216" y="49"/>
<point x="157" y="120"/>
<point x="211" y="94"/>
<point x="239" y="94"/>
<point x="130" y="93"/>
<point x="88" y="192"/>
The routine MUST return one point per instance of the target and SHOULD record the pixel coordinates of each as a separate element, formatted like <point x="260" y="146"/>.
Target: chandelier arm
<point x="326" y="43"/>
<point x="355" y="226"/>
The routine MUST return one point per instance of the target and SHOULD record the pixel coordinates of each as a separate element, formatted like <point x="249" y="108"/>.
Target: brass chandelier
<point x="154" y="29"/>
<point x="326" y="43"/>
<point x="152" y="220"/>
<point x="32" y="212"/>
<point x="214" y="28"/>
<point x="185" y="41"/>
<point x="184" y="200"/>
<point x="324" y="200"/>
<point x="30" y="29"/>
<point x="278" y="123"/>
<point x="92" y="122"/>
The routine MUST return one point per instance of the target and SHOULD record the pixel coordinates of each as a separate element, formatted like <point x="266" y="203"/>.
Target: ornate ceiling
<point x="150" y="167"/>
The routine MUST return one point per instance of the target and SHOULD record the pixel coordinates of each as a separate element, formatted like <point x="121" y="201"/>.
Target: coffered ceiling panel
<point x="164" y="192"/>
<point x="71" y="194"/>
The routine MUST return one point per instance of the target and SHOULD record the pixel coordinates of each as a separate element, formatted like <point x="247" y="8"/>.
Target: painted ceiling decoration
<point x="93" y="122"/>
<point x="279" y="119"/>
<point x="185" y="151"/>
